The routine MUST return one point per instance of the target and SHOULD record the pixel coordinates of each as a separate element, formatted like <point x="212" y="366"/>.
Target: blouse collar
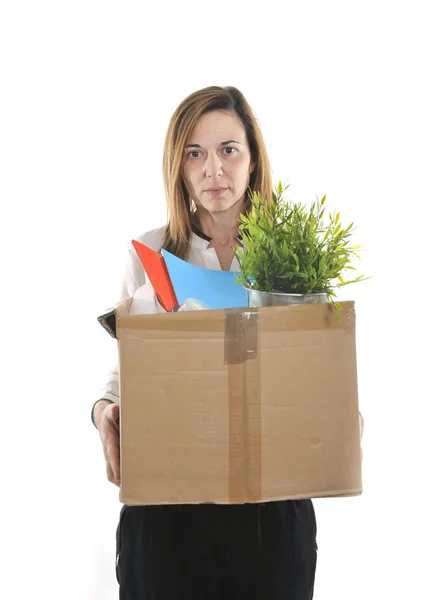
<point x="205" y="237"/>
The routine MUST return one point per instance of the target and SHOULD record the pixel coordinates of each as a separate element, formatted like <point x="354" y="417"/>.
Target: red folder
<point x="155" y="267"/>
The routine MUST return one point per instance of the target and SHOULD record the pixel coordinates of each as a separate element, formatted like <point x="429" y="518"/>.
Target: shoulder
<point x="154" y="238"/>
<point x="134" y="274"/>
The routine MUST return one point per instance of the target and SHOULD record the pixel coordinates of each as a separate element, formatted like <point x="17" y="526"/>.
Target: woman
<point x="214" y="152"/>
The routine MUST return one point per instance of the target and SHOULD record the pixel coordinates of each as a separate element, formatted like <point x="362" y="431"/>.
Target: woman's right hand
<point x="106" y="417"/>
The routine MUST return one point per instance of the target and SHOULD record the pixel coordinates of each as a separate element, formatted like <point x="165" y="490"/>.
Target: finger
<point x="112" y="424"/>
<point x="112" y="455"/>
<point x="113" y="472"/>
<point x="110" y="474"/>
<point x="114" y="413"/>
<point x="116" y="470"/>
<point x="110" y="441"/>
<point x="114" y="460"/>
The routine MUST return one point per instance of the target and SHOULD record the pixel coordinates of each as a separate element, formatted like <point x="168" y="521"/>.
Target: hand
<point x="107" y="421"/>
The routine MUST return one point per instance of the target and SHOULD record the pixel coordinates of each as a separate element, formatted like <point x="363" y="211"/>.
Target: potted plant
<point x="291" y="254"/>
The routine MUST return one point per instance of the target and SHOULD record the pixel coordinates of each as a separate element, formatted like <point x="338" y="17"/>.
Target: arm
<point x="133" y="278"/>
<point x="105" y="411"/>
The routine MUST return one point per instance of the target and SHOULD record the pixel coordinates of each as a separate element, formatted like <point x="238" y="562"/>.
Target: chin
<point x="220" y="205"/>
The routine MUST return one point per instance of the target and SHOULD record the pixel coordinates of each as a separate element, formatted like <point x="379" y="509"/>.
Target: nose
<point x="213" y="166"/>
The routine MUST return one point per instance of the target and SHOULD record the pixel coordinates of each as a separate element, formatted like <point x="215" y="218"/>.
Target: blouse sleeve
<point x="134" y="277"/>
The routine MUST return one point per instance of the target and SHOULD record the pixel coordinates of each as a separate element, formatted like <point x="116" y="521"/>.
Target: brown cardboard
<point x="237" y="405"/>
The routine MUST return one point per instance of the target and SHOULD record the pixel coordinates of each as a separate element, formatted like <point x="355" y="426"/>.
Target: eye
<point x="229" y="150"/>
<point x="193" y="154"/>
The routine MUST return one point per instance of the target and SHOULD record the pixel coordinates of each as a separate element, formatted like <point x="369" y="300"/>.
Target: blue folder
<point x="215" y="289"/>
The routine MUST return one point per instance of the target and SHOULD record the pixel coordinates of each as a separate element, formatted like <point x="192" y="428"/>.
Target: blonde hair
<point x="183" y="121"/>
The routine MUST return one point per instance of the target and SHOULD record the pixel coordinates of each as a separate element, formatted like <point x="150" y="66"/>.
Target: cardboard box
<point x="233" y="406"/>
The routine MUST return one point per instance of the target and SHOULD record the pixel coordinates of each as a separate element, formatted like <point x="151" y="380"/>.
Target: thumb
<point x="113" y="413"/>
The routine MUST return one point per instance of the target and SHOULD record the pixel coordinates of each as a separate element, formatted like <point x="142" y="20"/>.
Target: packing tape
<point x="241" y="345"/>
<point x="240" y="336"/>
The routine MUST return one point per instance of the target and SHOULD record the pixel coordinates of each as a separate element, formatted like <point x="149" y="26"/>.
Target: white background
<point x="347" y="97"/>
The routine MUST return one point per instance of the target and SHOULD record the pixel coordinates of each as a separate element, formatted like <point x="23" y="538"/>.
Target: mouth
<point x="216" y="191"/>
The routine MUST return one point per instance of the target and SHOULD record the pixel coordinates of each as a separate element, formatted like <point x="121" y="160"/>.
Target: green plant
<point x="289" y="249"/>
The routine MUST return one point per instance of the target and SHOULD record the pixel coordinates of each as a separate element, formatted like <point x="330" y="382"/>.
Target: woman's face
<point x="217" y="162"/>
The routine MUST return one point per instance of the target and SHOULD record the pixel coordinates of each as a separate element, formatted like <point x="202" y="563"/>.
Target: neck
<point x="222" y="228"/>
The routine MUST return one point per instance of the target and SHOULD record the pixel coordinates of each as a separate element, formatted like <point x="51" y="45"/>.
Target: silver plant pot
<point x="257" y="298"/>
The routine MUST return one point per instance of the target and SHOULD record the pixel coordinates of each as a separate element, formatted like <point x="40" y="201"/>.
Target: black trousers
<point x="215" y="552"/>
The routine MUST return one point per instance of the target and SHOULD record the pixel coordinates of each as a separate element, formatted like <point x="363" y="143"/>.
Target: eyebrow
<point x="222" y="144"/>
